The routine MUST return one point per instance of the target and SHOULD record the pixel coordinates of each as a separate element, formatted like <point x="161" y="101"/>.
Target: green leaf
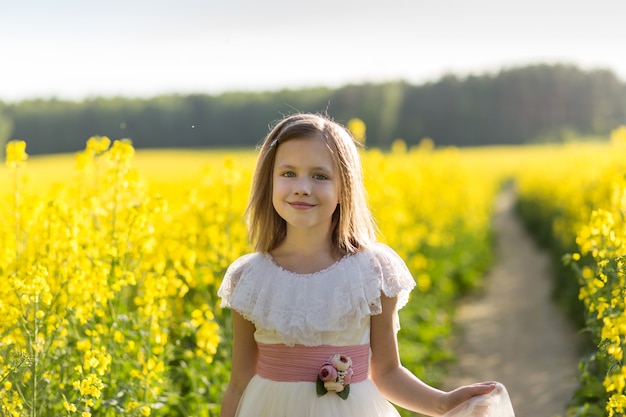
<point x="344" y="394"/>
<point x="319" y="385"/>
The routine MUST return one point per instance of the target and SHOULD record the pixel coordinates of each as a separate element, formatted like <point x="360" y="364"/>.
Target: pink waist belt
<point x="299" y="363"/>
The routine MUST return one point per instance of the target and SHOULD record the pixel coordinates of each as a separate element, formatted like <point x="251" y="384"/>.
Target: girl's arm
<point x="244" y="363"/>
<point x="399" y="385"/>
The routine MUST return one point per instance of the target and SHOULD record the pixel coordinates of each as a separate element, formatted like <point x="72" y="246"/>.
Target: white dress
<point x="329" y="307"/>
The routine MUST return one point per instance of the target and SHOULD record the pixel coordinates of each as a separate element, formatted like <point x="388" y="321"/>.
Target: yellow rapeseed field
<point x="578" y="197"/>
<point x="110" y="261"/>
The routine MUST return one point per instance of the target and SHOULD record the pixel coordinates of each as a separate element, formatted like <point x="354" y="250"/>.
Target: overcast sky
<point x="81" y="48"/>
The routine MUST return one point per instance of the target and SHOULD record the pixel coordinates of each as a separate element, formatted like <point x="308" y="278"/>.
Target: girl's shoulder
<point x="242" y="263"/>
<point x="385" y="255"/>
<point x="386" y="261"/>
<point x="391" y="270"/>
<point x="233" y="274"/>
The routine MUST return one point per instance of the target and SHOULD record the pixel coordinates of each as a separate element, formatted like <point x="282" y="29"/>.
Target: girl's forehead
<point x="305" y="149"/>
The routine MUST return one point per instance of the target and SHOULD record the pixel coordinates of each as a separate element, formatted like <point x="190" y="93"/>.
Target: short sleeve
<point x="231" y="278"/>
<point x="396" y="279"/>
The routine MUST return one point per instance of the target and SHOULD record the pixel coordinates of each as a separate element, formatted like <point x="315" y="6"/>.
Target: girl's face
<point x="306" y="184"/>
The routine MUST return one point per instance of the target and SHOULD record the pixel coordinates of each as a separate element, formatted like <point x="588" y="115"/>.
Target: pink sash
<point x="299" y="363"/>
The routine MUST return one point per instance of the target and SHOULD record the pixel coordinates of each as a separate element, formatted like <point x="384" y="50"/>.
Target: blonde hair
<point x="352" y="226"/>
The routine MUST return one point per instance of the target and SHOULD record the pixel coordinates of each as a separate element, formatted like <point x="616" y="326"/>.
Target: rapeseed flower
<point x="16" y="153"/>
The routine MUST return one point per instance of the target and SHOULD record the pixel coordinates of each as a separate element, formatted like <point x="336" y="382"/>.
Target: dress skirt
<point x="267" y="398"/>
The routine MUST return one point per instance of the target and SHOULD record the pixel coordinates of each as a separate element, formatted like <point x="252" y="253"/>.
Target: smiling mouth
<point x="300" y="205"/>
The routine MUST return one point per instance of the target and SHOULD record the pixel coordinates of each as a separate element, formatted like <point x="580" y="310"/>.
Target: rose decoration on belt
<point x="335" y="376"/>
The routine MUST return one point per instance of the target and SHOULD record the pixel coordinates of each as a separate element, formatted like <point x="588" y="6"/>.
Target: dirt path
<point x="512" y="332"/>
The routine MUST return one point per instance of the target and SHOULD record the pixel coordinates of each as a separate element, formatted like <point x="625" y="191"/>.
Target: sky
<point x="76" y="49"/>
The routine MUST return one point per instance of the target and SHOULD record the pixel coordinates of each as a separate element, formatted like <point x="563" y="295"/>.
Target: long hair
<point x="352" y="224"/>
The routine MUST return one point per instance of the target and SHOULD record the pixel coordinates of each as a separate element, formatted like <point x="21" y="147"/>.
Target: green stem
<point x="35" y="360"/>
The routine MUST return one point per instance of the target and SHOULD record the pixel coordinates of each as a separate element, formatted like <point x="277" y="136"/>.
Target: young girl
<point x="315" y="308"/>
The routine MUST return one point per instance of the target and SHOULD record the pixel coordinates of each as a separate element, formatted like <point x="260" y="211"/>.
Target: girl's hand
<point x="456" y="397"/>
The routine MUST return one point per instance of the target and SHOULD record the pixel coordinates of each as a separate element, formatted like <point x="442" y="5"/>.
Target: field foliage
<point x="574" y="201"/>
<point x="110" y="261"/>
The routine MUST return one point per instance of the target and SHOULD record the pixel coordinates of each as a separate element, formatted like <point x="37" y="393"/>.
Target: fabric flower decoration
<point x="335" y="376"/>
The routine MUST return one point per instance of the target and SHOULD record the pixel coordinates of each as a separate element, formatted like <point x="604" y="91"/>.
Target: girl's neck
<point x="308" y="240"/>
<point x="302" y="253"/>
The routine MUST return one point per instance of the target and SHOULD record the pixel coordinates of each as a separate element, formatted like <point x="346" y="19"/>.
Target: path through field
<point x="512" y="332"/>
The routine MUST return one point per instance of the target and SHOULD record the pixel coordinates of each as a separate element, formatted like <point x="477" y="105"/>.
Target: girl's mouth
<point x="300" y="205"/>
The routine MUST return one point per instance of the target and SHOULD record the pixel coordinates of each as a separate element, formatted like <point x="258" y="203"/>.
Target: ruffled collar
<point x="302" y="310"/>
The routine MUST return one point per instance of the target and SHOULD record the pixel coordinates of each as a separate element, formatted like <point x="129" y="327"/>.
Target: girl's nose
<point x="303" y="187"/>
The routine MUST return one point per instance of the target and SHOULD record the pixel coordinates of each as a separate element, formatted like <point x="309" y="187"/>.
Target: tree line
<point x="514" y="106"/>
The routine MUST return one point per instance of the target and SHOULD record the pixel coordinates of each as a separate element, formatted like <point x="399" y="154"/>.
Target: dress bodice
<point x="332" y="306"/>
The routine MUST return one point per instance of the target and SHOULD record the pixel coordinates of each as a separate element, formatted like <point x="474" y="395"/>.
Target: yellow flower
<point x="70" y="408"/>
<point x="398" y="147"/>
<point x="424" y="282"/>
<point x="118" y="336"/>
<point x="616" y="405"/>
<point x="145" y="411"/>
<point x="91" y="385"/>
<point x="122" y="151"/>
<point x="16" y="153"/>
<point x="83" y="345"/>
<point x="98" y="144"/>
<point x="357" y="128"/>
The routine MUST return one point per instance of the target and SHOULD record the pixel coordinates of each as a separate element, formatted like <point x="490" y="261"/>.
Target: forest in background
<point x="537" y="103"/>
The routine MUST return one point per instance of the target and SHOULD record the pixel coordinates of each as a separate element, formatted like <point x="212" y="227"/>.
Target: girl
<point x="315" y="308"/>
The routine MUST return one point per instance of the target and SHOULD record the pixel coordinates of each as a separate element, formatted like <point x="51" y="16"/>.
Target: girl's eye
<point x="288" y="174"/>
<point x="320" y="177"/>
